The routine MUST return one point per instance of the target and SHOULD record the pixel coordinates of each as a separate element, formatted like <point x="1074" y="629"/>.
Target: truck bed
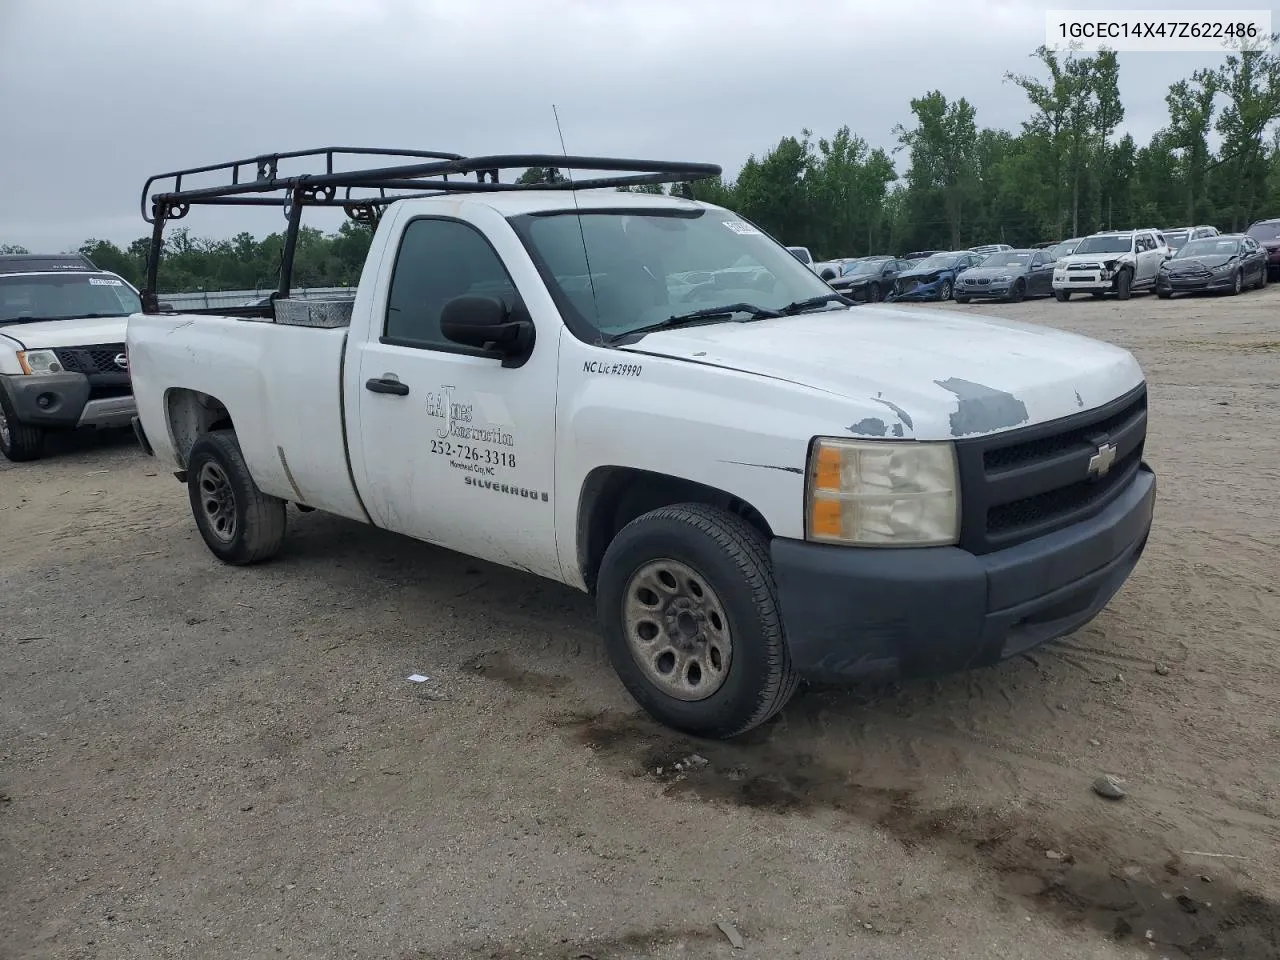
<point x="280" y="382"/>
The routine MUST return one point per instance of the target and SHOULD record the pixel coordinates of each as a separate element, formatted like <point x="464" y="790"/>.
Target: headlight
<point x="1004" y="279"/>
<point x="39" y="361"/>
<point x="882" y="493"/>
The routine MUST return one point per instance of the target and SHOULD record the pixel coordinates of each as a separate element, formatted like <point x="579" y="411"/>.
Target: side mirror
<point x="486" y="323"/>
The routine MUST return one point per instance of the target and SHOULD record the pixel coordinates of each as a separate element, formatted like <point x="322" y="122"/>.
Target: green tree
<point x="943" y="149"/>
<point x="12" y="248"/>
<point x="1250" y="80"/>
<point x="1191" y="110"/>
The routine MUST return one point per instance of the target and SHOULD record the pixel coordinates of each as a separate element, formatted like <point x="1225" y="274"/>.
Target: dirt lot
<point x="200" y="761"/>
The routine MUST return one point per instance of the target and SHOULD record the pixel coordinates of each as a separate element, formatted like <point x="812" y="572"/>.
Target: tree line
<point x="1064" y="173"/>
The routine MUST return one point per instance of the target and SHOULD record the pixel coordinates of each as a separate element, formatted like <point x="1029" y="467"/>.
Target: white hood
<point x="64" y="333"/>
<point x="927" y="374"/>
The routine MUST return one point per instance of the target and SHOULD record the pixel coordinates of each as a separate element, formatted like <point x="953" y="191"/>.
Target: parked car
<point x="1117" y="261"/>
<point x="1218" y="264"/>
<point x="933" y="278"/>
<point x="1177" y="236"/>
<point x="991" y="248"/>
<point x="62" y="357"/>
<point x="868" y="278"/>
<point x="921" y="254"/>
<point x="1063" y="248"/>
<point x="1267" y="234"/>
<point x="44" y="262"/>
<point x="1010" y="275"/>
<point x="477" y="394"/>
<point x="831" y="269"/>
<point x="802" y="254"/>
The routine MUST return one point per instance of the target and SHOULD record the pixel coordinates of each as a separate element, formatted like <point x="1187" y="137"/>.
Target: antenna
<point x="577" y="207"/>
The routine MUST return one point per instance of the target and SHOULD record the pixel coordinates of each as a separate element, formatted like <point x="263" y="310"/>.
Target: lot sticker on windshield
<point x="99" y="282"/>
<point x="741" y="228"/>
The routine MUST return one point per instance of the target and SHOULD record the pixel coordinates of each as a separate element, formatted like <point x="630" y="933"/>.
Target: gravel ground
<point x="201" y="761"/>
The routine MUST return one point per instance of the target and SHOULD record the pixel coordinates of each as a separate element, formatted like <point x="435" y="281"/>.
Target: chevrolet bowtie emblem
<point x="1101" y="461"/>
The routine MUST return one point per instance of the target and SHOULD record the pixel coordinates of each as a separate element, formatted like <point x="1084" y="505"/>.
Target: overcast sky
<point x="95" y="96"/>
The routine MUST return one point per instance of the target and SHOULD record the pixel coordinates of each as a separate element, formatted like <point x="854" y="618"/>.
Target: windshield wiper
<point x="800" y="306"/>
<point x="710" y="313"/>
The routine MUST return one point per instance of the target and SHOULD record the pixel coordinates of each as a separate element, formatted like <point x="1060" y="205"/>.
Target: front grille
<point x="100" y="358"/>
<point x="1027" y="483"/>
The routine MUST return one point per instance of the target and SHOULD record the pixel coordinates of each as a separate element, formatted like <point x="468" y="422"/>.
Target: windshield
<point x="1265" y="232"/>
<point x="647" y="265"/>
<point x="64" y="296"/>
<point x="1008" y="258"/>
<point x="1208" y="247"/>
<point x="943" y="262"/>
<point x="1063" y="249"/>
<point x="1120" y="244"/>
<point x="864" y="267"/>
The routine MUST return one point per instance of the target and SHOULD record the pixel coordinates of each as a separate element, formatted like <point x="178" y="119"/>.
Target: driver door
<point x="1040" y="276"/>
<point x="451" y="446"/>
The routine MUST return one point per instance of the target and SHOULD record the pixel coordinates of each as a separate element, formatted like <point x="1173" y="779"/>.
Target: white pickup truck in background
<point x="758" y="481"/>
<point x="62" y="357"/>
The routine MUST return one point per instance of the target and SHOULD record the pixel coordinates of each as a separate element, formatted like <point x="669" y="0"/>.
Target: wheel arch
<point x="190" y="413"/>
<point x="613" y="496"/>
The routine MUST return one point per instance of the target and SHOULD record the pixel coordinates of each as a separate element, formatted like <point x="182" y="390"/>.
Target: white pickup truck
<point x="62" y="358"/>
<point x="758" y="481"/>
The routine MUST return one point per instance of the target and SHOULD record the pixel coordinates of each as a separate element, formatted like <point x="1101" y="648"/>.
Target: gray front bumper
<point x="62" y="400"/>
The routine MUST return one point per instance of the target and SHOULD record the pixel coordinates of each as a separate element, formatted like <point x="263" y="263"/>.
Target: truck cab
<point x="649" y="399"/>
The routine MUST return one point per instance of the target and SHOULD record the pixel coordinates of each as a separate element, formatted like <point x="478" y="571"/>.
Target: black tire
<point x="1164" y="294"/>
<point x="1062" y="295"/>
<point x="1237" y="284"/>
<point x="873" y="293"/>
<point x="733" y="559"/>
<point x="946" y="291"/>
<point x="1262" y="280"/>
<point x="962" y="299"/>
<point x="257" y="520"/>
<point x="1097" y="294"/>
<point x="1018" y="292"/>
<point x="19" y="442"/>
<point x="1124" y="280"/>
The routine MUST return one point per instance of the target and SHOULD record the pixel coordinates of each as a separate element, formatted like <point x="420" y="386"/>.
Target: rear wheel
<point x="689" y="611"/>
<point x="18" y="442"/>
<point x="239" y="523"/>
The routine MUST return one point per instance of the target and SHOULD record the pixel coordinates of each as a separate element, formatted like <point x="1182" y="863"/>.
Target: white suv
<point x="1118" y="261"/>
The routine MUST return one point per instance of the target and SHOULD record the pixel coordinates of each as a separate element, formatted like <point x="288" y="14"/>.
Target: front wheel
<point x="1123" y="283"/>
<point x="873" y="293"/>
<point x="1164" y="294"/>
<point x="239" y="523"/>
<point x="1237" y="283"/>
<point x="1062" y="295"/>
<point x="945" y="292"/>
<point x="689" y="611"/>
<point x="18" y="441"/>
<point x="1018" y="292"/>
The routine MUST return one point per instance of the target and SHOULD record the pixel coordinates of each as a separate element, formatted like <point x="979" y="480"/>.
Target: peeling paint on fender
<point x="869" y="426"/>
<point x="902" y="414"/>
<point x="982" y="409"/>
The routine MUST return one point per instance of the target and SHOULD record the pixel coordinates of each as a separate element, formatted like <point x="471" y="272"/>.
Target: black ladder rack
<point x="363" y="193"/>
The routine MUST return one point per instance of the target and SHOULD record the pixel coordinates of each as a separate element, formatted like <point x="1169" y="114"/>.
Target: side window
<point x="437" y="261"/>
<point x="1038" y="260"/>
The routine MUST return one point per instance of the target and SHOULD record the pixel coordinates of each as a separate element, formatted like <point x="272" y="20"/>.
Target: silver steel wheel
<point x="5" y="436"/>
<point x="677" y="630"/>
<point x="218" y="501"/>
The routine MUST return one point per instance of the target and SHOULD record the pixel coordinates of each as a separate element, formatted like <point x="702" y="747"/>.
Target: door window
<point x="439" y="260"/>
